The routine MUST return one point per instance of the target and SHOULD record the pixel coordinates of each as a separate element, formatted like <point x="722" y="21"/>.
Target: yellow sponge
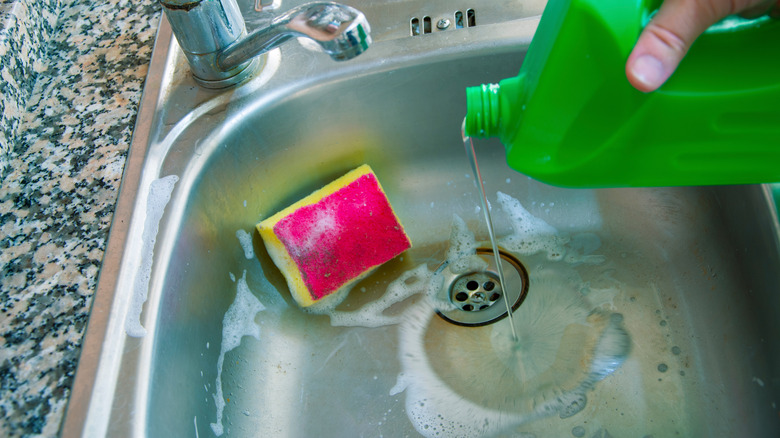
<point x="334" y="237"/>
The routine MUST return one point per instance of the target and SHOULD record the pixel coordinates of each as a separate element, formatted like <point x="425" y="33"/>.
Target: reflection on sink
<point x="649" y="311"/>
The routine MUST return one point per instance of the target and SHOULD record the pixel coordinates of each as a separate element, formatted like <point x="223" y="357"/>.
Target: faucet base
<point x="253" y="66"/>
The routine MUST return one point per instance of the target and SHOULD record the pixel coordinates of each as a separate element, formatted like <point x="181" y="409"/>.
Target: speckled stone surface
<point x="64" y="153"/>
<point x="26" y="27"/>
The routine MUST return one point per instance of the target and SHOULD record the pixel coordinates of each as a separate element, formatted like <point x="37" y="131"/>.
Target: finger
<point x="666" y="39"/>
<point x="760" y="8"/>
<point x="774" y="12"/>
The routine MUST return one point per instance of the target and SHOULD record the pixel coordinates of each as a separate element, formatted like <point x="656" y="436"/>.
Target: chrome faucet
<point x="213" y="35"/>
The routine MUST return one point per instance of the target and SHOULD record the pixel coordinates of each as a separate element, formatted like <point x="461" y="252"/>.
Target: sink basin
<point x="647" y="312"/>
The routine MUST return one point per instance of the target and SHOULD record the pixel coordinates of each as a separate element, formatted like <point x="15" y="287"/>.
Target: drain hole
<point x="478" y="296"/>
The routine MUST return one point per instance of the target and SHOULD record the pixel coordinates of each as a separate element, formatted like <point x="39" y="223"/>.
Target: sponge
<point x="334" y="237"/>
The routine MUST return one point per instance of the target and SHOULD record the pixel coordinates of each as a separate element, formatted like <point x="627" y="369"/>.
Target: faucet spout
<point x="341" y="31"/>
<point x="213" y="36"/>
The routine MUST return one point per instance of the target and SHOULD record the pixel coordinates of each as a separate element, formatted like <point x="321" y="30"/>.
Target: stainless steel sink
<point x="649" y="312"/>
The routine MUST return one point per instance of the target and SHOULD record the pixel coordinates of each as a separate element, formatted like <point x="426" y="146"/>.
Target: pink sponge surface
<point x="342" y="235"/>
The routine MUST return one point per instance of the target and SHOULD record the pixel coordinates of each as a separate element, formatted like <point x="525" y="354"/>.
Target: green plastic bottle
<point x="570" y="118"/>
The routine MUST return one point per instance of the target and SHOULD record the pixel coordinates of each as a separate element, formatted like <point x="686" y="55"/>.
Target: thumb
<point x="666" y="39"/>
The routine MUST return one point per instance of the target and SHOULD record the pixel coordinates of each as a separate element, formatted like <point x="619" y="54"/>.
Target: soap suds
<point x="432" y="406"/>
<point x="567" y="346"/>
<point x="159" y="194"/>
<point x="569" y="340"/>
<point x="239" y="321"/>
<point x="530" y="233"/>
<point x="319" y="227"/>
<point x="373" y="314"/>
<point x="461" y="254"/>
<point x="246" y="243"/>
<point x="573" y="341"/>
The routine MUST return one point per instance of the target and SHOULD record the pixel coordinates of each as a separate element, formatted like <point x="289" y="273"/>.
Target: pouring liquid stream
<point x="472" y="156"/>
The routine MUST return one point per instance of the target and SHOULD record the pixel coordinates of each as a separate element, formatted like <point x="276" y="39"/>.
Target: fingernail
<point x="649" y="70"/>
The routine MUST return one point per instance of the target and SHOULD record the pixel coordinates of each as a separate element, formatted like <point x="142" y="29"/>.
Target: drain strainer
<point x="478" y="297"/>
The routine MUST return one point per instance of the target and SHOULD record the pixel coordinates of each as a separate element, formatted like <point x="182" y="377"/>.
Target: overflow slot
<point x="415" y="25"/>
<point x="425" y="25"/>
<point x="458" y="20"/>
<point x="471" y="16"/>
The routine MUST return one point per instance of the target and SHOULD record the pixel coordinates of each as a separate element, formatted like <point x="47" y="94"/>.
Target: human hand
<point x="667" y="38"/>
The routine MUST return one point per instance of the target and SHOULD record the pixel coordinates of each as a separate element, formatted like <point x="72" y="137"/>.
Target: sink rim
<point x="102" y="310"/>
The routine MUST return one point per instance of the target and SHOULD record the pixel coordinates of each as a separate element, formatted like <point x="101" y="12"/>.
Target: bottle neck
<point x="483" y="111"/>
<point x="490" y="106"/>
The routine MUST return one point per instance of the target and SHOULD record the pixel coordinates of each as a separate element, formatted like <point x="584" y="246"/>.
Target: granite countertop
<point x="71" y="78"/>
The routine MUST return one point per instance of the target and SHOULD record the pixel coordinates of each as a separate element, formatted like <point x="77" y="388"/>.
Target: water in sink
<point x="479" y="381"/>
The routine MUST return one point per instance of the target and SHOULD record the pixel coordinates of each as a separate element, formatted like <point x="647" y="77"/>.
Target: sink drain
<point x="478" y="297"/>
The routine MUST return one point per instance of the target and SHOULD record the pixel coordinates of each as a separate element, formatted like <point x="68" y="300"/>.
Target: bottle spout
<point x="483" y="111"/>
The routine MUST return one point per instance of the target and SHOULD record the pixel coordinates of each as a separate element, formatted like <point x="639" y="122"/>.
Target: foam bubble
<point x="461" y="253"/>
<point x="159" y="194"/>
<point x="323" y="225"/>
<point x="530" y="233"/>
<point x="373" y="314"/>
<point x="401" y="383"/>
<point x="239" y="321"/>
<point x="246" y="243"/>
